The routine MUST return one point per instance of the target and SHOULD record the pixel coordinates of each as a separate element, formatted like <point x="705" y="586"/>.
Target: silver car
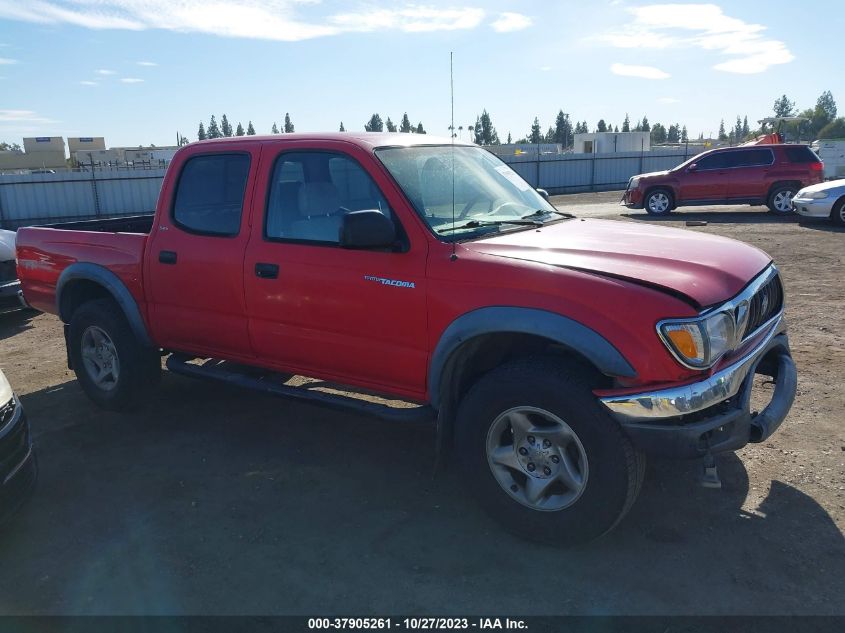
<point x="824" y="200"/>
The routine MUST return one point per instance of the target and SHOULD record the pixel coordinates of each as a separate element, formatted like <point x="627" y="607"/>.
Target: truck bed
<point x="44" y="252"/>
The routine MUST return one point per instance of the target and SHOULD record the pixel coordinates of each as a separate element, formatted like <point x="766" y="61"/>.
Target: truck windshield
<point x="488" y="195"/>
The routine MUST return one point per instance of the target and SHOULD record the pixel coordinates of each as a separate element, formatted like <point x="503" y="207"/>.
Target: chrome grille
<point x="763" y="305"/>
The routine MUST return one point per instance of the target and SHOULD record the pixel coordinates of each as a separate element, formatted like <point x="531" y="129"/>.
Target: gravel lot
<point x="216" y="501"/>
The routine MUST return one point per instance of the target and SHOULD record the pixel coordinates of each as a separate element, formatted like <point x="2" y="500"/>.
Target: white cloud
<point x="22" y="116"/>
<point x="131" y="80"/>
<point x="643" y="72"/>
<point x="703" y="26"/>
<point x="545" y="68"/>
<point x="5" y="61"/>
<point x="146" y="63"/>
<point x="508" y="22"/>
<point x="105" y="71"/>
<point x="89" y="83"/>
<point x="669" y="100"/>
<point x="282" y="20"/>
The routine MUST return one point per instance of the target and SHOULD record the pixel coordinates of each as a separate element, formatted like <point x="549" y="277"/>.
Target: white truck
<point x="832" y="152"/>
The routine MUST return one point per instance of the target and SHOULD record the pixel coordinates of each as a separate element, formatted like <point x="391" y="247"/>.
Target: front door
<point x="194" y="268"/>
<point x="704" y="181"/>
<point x="354" y="316"/>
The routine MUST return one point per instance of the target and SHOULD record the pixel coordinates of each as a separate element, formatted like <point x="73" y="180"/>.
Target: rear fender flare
<point x="84" y="271"/>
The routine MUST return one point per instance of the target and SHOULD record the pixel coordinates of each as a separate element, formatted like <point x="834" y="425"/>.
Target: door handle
<point x="167" y="257"/>
<point x="266" y="271"/>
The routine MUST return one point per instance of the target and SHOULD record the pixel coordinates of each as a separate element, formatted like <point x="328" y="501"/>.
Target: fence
<point x="29" y="199"/>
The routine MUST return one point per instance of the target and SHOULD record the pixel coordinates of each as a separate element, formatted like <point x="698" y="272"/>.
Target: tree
<point x="616" y="129"/>
<point x="391" y="126"/>
<point x="745" y="129"/>
<point x="405" y="125"/>
<point x="213" y="131"/>
<point x="658" y="134"/>
<point x="250" y="130"/>
<point x="275" y="128"/>
<point x="784" y="107"/>
<point x="563" y="129"/>
<point x="341" y="129"/>
<point x="674" y="133"/>
<point x="510" y="139"/>
<point x="722" y="135"/>
<point x="684" y="135"/>
<point x="375" y="124"/>
<point x="601" y="126"/>
<point x="420" y="129"/>
<point x="646" y="127"/>
<point x="201" y="133"/>
<point x="824" y="112"/>
<point x="485" y="132"/>
<point x="240" y="130"/>
<point x="626" y="124"/>
<point x="289" y="129"/>
<point x="738" y="129"/>
<point x="225" y="126"/>
<point x="536" y="135"/>
<point x="834" y="129"/>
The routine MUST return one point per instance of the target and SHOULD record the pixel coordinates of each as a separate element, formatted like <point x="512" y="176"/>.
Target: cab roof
<point x="367" y="140"/>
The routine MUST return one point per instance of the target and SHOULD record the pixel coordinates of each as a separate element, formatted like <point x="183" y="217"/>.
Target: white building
<point x="612" y="142"/>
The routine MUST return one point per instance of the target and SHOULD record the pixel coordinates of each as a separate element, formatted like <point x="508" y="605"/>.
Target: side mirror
<point x="693" y="167"/>
<point x="367" y="229"/>
<point x="543" y="193"/>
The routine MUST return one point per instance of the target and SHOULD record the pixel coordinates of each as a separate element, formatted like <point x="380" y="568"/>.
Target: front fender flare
<point x="502" y="319"/>
<point x="85" y="271"/>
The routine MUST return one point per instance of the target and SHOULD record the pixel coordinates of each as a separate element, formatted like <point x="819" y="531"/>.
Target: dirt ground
<point x="217" y="501"/>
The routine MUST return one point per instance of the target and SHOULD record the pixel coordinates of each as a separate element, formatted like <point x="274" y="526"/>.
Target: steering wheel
<point x="498" y="208"/>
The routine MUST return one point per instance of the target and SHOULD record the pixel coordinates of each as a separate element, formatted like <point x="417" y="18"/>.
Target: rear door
<point x="194" y="263"/>
<point x="748" y="174"/>
<point x="704" y="180"/>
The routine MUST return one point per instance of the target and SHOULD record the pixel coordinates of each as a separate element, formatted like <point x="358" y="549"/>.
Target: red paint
<point x="321" y="316"/>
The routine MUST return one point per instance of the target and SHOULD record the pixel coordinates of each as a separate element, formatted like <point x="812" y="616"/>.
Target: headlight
<point x="5" y="390"/>
<point x="699" y="343"/>
<point x="815" y="195"/>
<point x="634" y="182"/>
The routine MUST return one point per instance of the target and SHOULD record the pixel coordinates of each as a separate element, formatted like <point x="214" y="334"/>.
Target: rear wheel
<point x="111" y="365"/>
<point x="837" y="215"/>
<point x="780" y="200"/>
<point x="658" y="202"/>
<point x="542" y="457"/>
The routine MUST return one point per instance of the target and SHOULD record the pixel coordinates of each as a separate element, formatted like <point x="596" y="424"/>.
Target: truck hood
<point x="702" y="269"/>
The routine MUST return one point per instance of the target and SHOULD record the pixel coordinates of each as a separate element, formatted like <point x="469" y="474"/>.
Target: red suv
<point x="758" y="174"/>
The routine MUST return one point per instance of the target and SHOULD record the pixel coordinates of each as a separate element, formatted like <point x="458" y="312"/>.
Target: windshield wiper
<point x="541" y="212"/>
<point x="474" y="224"/>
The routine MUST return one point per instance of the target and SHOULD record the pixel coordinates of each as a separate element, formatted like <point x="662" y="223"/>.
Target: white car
<point x="824" y="200"/>
<point x="11" y="297"/>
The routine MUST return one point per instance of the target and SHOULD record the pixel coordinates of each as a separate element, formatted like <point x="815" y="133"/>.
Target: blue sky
<point x="138" y="71"/>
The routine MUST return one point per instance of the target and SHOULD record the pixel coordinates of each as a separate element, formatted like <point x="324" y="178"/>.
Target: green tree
<point x="240" y="130"/>
<point x="420" y="129"/>
<point x="13" y="147"/>
<point x="601" y="126"/>
<point x="563" y="129"/>
<point x="213" y="130"/>
<point x="684" y="135"/>
<point x="784" y="107"/>
<point x="824" y="112"/>
<point x="673" y="135"/>
<point x="225" y="126"/>
<point x="485" y="131"/>
<point x="745" y="129"/>
<point x="646" y="127"/>
<point x="375" y="124"/>
<point x="275" y="128"/>
<point x="510" y="139"/>
<point x="616" y="129"/>
<point x="722" y="135"/>
<point x="536" y="135"/>
<point x="250" y="130"/>
<point x="289" y="129"/>
<point x="405" y="125"/>
<point x="201" y="133"/>
<point x="658" y="134"/>
<point x="341" y="129"/>
<point x="626" y="124"/>
<point x="834" y="129"/>
<point x="391" y="126"/>
<point x="738" y="136"/>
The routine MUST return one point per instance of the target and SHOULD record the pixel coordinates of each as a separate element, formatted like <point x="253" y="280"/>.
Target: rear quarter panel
<point x="44" y="253"/>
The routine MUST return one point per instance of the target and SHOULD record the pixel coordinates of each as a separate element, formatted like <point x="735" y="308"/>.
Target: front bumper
<point x="11" y="296"/>
<point x="713" y="414"/>
<point x="632" y="198"/>
<point x="18" y="466"/>
<point x="811" y="208"/>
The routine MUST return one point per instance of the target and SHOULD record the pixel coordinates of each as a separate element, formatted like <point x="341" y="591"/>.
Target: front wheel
<point x="541" y="455"/>
<point x="658" y="202"/>
<point x="111" y="365"/>
<point x="837" y="215"/>
<point x="780" y="200"/>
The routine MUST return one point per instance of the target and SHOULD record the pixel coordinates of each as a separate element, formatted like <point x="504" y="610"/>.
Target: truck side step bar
<point x="268" y="382"/>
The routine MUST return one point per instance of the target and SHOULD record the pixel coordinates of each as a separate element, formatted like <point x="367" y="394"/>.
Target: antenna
<point x="454" y="255"/>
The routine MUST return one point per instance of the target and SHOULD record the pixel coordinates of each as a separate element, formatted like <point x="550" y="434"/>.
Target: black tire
<point x="774" y="194"/>
<point x="140" y="367"/>
<point x="659" y="201"/>
<point x="837" y="214"/>
<point x="615" y="468"/>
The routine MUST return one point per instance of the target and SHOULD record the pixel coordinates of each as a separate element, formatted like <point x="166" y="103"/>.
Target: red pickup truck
<point x="552" y="353"/>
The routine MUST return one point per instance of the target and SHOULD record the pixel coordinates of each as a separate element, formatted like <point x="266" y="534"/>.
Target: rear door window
<point x="801" y="154"/>
<point x="751" y="158"/>
<point x="210" y="194"/>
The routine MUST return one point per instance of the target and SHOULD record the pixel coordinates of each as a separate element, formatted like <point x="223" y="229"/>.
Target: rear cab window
<point x="210" y="194"/>
<point x="801" y="154"/>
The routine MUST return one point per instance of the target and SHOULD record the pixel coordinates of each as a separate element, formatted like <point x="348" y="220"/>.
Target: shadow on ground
<point x="13" y="323"/>
<point x="752" y="216"/>
<point x="213" y="500"/>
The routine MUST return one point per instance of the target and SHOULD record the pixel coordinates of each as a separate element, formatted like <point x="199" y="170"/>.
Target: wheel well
<point x="665" y="188"/>
<point x="483" y="353"/>
<point x="783" y="183"/>
<point x="75" y="293"/>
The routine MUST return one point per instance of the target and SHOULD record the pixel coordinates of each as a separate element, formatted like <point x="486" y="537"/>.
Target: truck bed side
<point x="45" y="252"/>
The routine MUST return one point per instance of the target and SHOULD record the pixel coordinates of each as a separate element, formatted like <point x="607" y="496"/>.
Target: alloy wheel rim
<point x="658" y="202"/>
<point x="783" y="200"/>
<point x="100" y="359"/>
<point x="537" y="458"/>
